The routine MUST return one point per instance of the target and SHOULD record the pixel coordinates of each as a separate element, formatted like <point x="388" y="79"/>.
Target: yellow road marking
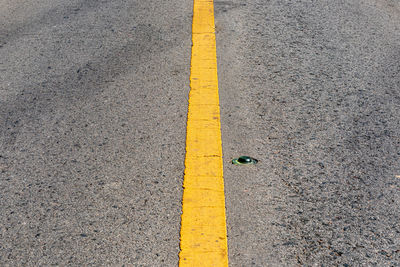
<point x="203" y="227"/>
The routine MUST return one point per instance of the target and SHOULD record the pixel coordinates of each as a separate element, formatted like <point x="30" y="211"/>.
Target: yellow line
<point x="203" y="227"/>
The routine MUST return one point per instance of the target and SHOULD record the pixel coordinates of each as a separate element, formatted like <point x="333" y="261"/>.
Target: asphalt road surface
<point x="93" y="103"/>
<point x="93" y="121"/>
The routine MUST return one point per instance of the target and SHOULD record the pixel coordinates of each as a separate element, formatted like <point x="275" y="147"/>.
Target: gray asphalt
<point x="92" y="131"/>
<point x="93" y="102"/>
<point x="312" y="90"/>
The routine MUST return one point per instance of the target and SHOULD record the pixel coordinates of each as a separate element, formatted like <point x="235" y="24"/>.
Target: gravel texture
<point x="92" y="131"/>
<point x="312" y="90"/>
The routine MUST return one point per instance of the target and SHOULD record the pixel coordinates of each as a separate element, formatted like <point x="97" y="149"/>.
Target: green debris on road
<point x="244" y="160"/>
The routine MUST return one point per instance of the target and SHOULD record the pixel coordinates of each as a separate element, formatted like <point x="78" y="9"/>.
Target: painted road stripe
<point x="203" y="227"/>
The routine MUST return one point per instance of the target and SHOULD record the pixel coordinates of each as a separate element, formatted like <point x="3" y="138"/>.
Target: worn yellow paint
<point x="203" y="227"/>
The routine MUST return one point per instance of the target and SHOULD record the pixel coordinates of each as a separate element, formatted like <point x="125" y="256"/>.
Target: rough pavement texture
<point x="93" y="102"/>
<point x="92" y="131"/>
<point x="312" y="90"/>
